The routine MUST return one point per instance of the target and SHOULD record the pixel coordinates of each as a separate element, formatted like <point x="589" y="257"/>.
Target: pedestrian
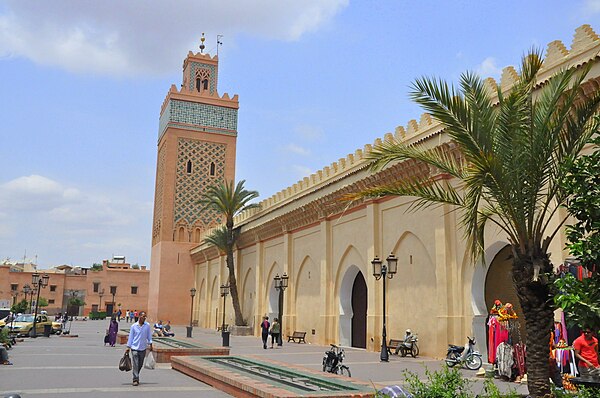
<point x="135" y="315"/>
<point x="127" y="313"/>
<point x="275" y="331"/>
<point x="113" y="329"/>
<point x="140" y="337"/>
<point x="586" y="350"/>
<point x="265" y="325"/>
<point x="119" y="313"/>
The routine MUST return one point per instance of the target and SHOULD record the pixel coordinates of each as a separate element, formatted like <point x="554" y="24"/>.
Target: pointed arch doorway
<point x="353" y="309"/>
<point x="359" y="312"/>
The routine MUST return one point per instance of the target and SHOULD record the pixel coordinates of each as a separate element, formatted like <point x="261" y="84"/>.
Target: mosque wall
<point x="325" y="244"/>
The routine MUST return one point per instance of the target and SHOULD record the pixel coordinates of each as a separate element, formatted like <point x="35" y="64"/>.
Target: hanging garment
<point x="505" y="360"/>
<point x="520" y="352"/>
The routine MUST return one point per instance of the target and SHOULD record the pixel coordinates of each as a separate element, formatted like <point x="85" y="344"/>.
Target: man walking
<point x="140" y="336"/>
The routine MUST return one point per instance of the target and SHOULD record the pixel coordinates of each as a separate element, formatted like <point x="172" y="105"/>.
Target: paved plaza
<point x="71" y="367"/>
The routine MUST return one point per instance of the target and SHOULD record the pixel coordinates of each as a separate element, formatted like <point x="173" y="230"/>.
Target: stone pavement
<point x="71" y="367"/>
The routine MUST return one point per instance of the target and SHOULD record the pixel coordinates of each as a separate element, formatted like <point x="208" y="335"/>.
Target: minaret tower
<point x="196" y="149"/>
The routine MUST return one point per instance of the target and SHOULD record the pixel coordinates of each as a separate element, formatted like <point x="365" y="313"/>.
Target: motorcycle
<point x="408" y="346"/>
<point x="332" y="361"/>
<point x="457" y="355"/>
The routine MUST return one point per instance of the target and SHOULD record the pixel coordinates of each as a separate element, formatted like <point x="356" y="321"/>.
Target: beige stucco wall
<point x="322" y="245"/>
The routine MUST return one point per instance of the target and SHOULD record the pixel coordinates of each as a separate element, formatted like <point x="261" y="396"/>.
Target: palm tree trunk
<point x="538" y="308"/>
<point x="235" y="298"/>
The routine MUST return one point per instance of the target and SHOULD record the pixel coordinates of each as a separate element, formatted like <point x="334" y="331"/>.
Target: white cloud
<point x="43" y="215"/>
<point x="297" y="149"/>
<point x="301" y="171"/>
<point x="35" y="193"/>
<point x="309" y="133"/>
<point x="488" y="68"/>
<point x="138" y="37"/>
<point x="591" y="6"/>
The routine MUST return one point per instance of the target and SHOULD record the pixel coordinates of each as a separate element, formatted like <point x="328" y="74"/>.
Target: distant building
<point x="93" y="286"/>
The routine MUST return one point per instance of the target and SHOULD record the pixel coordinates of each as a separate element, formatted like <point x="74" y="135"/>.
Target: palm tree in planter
<point x="514" y="149"/>
<point x="229" y="199"/>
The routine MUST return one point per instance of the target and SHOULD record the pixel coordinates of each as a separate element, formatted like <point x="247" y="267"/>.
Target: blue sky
<point x="82" y="85"/>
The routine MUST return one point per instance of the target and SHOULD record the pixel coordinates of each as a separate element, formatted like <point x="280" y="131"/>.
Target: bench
<point x="393" y="344"/>
<point x="297" y="336"/>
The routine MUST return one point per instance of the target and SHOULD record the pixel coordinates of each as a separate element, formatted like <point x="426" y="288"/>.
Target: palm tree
<point x="514" y="153"/>
<point x="228" y="201"/>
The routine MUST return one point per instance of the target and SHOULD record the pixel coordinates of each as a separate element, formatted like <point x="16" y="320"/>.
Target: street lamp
<point x="101" y="293"/>
<point x="14" y="294"/>
<point x="40" y="283"/>
<point x="281" y="283"/>
<point x="113" y="291"/>
<point x="189" y="328"/>
<point x="27" y="290"/>
<point x="224" y="333"/>
<point x="380" y="270"/>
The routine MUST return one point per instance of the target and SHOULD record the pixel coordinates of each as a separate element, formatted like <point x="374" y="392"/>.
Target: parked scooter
<point x="409" y="345"/>
<point x="457" y="355"/>
<point x="332" y="361"/>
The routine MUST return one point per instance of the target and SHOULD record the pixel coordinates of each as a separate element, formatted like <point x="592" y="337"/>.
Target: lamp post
<point x="281" y="283"/>
<point x="27" y="290"/>
<point x="14" y="294"/>
<point x="189" y="328"/>
<point x="101" y="293"/>
<point x="380" y="271"/>
<point x="40" y="283"/>
<point x="113" y="291"/>
<point x="224" y="333"/>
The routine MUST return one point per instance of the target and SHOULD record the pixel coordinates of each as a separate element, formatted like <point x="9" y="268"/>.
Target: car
<point x="23" y="325"/>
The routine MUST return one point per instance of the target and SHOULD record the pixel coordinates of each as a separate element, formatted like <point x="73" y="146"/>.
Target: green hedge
<point x="97" y="315"/>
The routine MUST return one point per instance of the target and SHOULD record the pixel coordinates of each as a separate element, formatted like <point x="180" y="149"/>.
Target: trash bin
<point x="225" y="336"/>
<point x="47" y="330"/>
<point x="189" y="331"/>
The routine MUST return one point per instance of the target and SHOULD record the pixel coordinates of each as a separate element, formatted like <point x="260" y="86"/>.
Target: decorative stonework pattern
<point x="199" y="115"/>
<point x="197" y="68"/>
<point x="190" y="186"/>
<point x="158" y="197"/>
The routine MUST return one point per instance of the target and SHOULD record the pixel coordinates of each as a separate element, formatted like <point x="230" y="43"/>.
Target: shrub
<point x="97" y="315"/>
<point x="445" y="383"/>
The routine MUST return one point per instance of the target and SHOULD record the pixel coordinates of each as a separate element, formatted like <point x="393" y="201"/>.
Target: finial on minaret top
<point x="202" y="46"/>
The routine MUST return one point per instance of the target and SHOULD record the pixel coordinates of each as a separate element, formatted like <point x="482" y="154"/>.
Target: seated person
<point x="407" y="337"/>
<point x="167" y="330"/>
<point x="4" y="356"/>
<point x="158" y="329"/>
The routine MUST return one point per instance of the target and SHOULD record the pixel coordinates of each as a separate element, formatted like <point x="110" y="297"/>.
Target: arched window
<point x="197" y="232"/>
<point x="188" y="167"/>
<point x="181" y="235"/>
<point x="212" y="169"/>
<point x="205" y="84"/>
<point x="198" y="84"/>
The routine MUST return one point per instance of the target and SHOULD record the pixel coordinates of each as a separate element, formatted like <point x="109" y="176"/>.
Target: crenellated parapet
<point x="184" y="93"/>
<point x="584" y="48"/>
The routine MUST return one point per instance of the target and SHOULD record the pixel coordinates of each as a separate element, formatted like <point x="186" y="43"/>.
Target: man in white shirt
<point x="140" y="336"/>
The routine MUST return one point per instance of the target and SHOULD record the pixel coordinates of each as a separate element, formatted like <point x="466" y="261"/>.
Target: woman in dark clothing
<point x="113" y="328"/>
<point x="265" y="325"/>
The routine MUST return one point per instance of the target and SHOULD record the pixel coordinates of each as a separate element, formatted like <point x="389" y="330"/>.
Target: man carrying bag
<point x="140" y="337"/>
